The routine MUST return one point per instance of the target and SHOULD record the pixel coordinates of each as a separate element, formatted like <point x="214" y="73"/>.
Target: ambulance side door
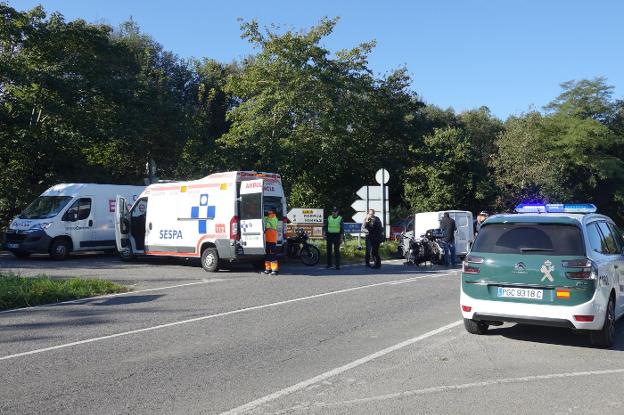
<point x="122" y="225"/>
<point x="251" y="213"/>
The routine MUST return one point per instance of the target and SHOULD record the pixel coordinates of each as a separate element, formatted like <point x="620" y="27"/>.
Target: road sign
<point x="311" y="216"/>
<point x="374" y="192"/>
<point x="352" y="227"/>
<point x="382" y="176"/>
<point x="360" y="205"/>
<point x="313" y="231"/>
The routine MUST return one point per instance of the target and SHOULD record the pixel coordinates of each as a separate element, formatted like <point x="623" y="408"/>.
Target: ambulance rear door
<point x="251" y="214"/>
<point x="122" y="226"/>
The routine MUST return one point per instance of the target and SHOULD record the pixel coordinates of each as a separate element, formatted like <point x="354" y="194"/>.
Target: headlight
<point x="39" y="227"/>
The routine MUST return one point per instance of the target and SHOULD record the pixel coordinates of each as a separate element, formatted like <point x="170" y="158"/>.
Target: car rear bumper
<point x="536" y="314"/>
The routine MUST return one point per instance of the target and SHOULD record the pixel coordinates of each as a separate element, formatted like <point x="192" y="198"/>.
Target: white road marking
<point x="211" y="316"/>
<point x="97" y="297"/>
<point x="329" y="374"/>
<point x="447" y="388"/>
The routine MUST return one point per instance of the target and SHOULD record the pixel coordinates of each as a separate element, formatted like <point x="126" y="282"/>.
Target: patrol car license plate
<point x="512" y="292"/>
<point x="12" y="246"/>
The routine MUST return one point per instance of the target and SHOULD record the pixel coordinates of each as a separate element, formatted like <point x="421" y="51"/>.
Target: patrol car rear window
<point x="529" y="239"/>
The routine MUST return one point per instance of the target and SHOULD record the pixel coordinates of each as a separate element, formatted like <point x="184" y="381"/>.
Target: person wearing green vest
<point x="334" y="232"/>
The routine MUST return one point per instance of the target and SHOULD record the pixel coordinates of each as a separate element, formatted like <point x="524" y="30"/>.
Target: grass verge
<point x="17" y="292"/>
<point x="349" y="252"/>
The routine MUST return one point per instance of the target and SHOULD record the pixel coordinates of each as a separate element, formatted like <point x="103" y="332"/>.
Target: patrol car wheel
<point x="606" y="336"/>
<point x="210" y="260"/>
<point x="59" y="249"/>
<point x="475" y="327"/>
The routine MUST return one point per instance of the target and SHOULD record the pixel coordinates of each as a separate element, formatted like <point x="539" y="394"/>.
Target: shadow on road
<point x="128" y="299"/>
<point x="555" y="335"/>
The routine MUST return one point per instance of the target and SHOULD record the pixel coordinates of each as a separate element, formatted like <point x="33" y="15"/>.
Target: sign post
<point x="374" y="197"/>
<point x="382" y="176"/>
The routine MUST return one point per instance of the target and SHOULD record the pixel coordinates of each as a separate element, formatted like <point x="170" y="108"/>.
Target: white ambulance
<point x="68" y="217"/>
<point x="218" y="218"/>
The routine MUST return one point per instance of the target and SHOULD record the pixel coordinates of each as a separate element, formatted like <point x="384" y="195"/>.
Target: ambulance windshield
<point x="45" y="207"/>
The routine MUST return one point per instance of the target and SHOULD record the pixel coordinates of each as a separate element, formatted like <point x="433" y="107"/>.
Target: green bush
<point x="350" y="253"/>
<point x="16" y="291"/>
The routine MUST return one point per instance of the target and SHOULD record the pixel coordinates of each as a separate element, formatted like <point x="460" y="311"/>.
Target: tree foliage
<point x="83" y="102"/>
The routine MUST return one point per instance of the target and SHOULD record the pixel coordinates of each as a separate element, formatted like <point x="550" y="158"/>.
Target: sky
<point x="509" y="55"/>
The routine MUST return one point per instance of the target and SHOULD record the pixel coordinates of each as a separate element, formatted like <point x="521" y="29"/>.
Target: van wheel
<point x="475" y="327"/>
<point x="605" y="337"/>
<point x="210" y="260"/>
<point x="59" y="250"/>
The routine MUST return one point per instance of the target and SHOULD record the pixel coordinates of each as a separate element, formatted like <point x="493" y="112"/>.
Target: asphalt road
<point x="354" y="341"/>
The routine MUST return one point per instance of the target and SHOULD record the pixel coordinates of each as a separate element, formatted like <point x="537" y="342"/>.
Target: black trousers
<point x="372" y="250"/>
<point x="333" y="243"/>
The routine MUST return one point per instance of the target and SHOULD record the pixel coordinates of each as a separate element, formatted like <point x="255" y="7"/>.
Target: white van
<point x="68" y="217"/>
<point x="217" y="218"/>
<point x="422" y="222"/>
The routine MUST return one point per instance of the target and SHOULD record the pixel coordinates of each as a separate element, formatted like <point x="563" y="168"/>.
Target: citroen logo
<point x="520" y="268"/>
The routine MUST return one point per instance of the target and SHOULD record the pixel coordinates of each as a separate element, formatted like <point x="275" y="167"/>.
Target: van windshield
<point x="530" y="239"/>
<point x="45" y="207"/>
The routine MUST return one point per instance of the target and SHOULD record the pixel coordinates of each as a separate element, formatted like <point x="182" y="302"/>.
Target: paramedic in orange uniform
<point x="271" y="265"/>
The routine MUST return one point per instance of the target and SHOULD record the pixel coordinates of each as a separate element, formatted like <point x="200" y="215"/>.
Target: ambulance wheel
<point x="210" y="260"/>
<point x="475" y="327"/>
<point x="126" y="254"/>
<point x="606" y="335"/>
<point x="21" y="254"/>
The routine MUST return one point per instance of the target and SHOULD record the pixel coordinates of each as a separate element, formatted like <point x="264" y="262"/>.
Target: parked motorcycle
<point x="298" y="247"/>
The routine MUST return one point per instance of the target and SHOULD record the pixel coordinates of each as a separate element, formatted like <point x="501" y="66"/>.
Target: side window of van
<point x="79" y="210"/>
<point x="609" y="246"/>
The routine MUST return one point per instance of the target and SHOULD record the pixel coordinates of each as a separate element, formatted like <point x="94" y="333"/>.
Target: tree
<point x="587" y="98"/>
<point x="523" y="165"/>
<point x="445" y="175"/>
<point x="306" y="113"/>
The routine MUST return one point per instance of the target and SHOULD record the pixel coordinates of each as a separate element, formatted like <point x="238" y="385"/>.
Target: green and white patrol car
<point x="554" y="265"/>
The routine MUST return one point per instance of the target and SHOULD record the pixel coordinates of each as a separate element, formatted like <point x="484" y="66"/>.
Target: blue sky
<point x="506" y="54"/>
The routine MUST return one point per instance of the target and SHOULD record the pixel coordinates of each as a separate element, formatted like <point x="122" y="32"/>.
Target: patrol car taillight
<point x="472" y="259"/>
<point x="234" y="228"/>
<point x="470" y="269"/>
<point x="584" y="269"/>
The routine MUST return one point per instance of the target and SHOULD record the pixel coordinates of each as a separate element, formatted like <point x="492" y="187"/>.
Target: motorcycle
<point x="298" y="247"/>
<point x="427" y="248"/>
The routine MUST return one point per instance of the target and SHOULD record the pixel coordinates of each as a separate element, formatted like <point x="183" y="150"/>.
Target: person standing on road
<point x="373" y="229"/>
<point x="334" y="232"/>
<point x="448" y="227"/>
<point x="271" y="266"/>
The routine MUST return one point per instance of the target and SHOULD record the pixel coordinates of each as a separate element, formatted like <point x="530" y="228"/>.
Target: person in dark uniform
<point x="334" y="232"/>
<point x="373" y="229"/>
<point x="448" y="227"/>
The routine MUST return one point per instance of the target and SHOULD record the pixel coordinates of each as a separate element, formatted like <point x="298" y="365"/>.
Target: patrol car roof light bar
<point x="556" y="208"/>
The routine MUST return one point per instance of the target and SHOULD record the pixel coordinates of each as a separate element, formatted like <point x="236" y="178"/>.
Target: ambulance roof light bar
<point x="556" y="208"/>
